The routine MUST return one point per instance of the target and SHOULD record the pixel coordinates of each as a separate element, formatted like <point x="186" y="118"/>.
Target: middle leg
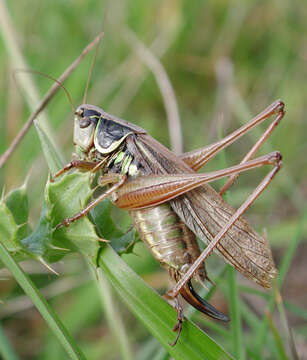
<point x="118" y="179"/>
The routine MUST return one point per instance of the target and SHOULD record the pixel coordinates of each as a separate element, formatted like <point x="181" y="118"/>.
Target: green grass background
<point x="226" y="60"/>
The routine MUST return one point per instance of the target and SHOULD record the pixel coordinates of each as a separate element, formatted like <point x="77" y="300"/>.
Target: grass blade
<point x="113" y="316"/>
<point x="289" y="254"/>
<point x="277" y="338"/>
<point x="43" y="307"/>
<point x="285" y="324"/>
<point x="158" y="316"/>
<point x="284" y="267"/>
<point x="235" y="314"/>
<point x="5" y="347"/>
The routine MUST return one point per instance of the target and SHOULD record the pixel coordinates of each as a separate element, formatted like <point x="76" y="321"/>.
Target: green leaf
<point x="121" y="243"/>
<point x="101" y="216"/>
<point x="37" y="243"/>
<point x="62" y="199"/>
<point x="66" y="198"/>
<point x="51" y="155"/>
<point x="8" y="228"/>
<point x="17" y="203"/>
<point x="155" y="313"/>
<point x="125" y="243"/>
<point x="13" y="225"/>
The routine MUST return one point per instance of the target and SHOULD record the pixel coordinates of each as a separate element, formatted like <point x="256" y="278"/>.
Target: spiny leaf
<point x="37" y="243"/>
<point x="62" y="199"/>
<point x="8" y="228"/>
<point x="65" y="198"/>
<point x="17" y="202"/>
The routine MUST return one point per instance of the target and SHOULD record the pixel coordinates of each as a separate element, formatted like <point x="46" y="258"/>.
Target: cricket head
<point x="95" y="128"/>
<point x="85" y="123"/>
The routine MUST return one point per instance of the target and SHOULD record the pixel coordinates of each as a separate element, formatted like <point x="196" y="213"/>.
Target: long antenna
<point x="94" y="58"/>
<point x="48" y="77"/>
<point x="90" y="73"/>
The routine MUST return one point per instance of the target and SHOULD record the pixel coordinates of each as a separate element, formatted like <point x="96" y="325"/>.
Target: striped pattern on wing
<point x="205" y="213"/>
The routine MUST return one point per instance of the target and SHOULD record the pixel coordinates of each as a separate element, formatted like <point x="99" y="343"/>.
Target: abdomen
<point x="168" y="238"/>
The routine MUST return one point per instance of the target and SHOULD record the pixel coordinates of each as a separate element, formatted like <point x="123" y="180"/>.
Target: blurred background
<point x="226" y="62"/>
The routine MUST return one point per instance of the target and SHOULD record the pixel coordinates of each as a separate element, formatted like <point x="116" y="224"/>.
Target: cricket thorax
<point x="109" y="135"/>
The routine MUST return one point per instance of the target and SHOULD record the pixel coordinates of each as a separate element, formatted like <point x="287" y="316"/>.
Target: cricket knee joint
<point x="280" y="109"/>
<point x="276" y="159"/>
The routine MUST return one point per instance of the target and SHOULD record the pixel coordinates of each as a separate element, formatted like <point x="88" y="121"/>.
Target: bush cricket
<point x="170" y="204"/>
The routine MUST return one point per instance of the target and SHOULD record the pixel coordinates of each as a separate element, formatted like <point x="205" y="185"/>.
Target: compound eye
<point x="79" y="112"/>
<point x="85" y="122"/>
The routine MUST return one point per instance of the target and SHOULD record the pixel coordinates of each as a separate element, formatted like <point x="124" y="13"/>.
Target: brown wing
<point x="205" y="212"/>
